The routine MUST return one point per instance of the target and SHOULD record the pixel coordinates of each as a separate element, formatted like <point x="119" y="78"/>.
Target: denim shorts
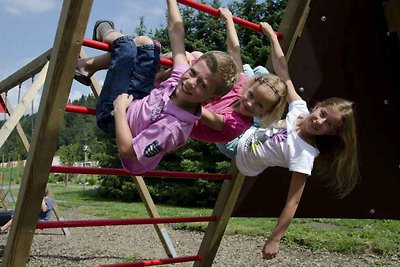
<point x="229" y="149"/>
<point x="5" y="216"/>
<point x="132" y="71"/>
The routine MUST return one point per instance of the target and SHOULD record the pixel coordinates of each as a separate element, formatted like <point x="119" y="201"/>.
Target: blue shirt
<point x="45" y="215"/>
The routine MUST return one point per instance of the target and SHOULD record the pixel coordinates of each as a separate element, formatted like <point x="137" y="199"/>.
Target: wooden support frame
<point x="15" y="117"/>
<point x="18" y="77"/>
<point x="153" y="213"/>
<point x="26" y="72"/>
<point x="223" y="209"/>
<point x="73" y="20"/>
<point x="3" y="203"/>
<point x="291" y="26"/>
<point x="96" y="88"/>
<point x="20" y="131"/>
<point x="17" y="114"/>
<point x="52" y="108"/>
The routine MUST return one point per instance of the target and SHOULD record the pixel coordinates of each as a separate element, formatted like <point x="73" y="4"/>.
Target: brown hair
<point x="337" y="162"/>
<point x="224" y="68"/>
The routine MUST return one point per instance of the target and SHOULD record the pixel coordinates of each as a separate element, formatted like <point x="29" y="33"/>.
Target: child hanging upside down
<point x="147" y="122"/>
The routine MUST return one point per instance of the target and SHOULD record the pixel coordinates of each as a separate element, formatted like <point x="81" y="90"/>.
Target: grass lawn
<point x="381" y="237"/>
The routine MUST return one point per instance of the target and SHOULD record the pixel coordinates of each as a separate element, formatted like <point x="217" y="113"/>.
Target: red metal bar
<point x="3" y="108"/>
<point x="154" y="262"/>
<point x="123" y="172"/>
<point x="96" y="44"/>
<point x="106" y="47"/>
<point x="80" y="109"/>
<point x="109" y="222"/>
<point x="215" y="12"/>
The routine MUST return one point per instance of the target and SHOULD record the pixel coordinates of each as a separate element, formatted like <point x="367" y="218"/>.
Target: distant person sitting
<point x="44" y="214"/>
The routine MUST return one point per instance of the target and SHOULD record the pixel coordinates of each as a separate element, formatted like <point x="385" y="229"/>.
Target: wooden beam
<point x="291" y="26"/>
<point x="25" y="72"/>
<point x="153" y="213"/>
<point x="223" y="209"/>
<point x="67" y="44"/>
<point x="17" y="114"/>
<point x="20" y="131"/>
<point x="2" y="196"/>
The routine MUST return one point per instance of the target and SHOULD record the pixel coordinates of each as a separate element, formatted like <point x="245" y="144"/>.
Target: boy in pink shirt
<point x="161" y="121"/>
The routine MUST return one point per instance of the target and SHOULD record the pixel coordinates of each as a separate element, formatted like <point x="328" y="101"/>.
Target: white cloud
<point x="22" y="7"/>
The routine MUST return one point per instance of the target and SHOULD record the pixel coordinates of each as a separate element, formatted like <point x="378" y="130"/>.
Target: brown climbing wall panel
<point x="344" y="50"/>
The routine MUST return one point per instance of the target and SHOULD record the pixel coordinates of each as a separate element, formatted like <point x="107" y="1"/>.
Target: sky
<point x="29" y="28"/>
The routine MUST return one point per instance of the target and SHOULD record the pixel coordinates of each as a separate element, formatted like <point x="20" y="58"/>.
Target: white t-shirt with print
<point x="260" y="148"/>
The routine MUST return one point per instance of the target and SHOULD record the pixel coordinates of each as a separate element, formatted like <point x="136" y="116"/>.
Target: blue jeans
<point x="229" y="149"/>
<point x="5" y="216"/>
<point x="132" y="71"/>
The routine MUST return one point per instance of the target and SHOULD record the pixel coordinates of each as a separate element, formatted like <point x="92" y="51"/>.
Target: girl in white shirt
<point x="326" y="135"/>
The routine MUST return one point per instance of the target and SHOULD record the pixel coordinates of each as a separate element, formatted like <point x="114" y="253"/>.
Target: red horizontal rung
<point x="215" y="12"/>
<point x="106" y="47"/>
<point x="80" y="109"/>
<point x="109" y="222"/>
<point x="123" y="172"/>
<point x="153" y="262"/>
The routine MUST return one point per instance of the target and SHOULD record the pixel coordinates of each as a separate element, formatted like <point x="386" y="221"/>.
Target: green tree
<point x="204" y="33"/>
<point x="141" y="29"/>
<point x="69" y="153"/>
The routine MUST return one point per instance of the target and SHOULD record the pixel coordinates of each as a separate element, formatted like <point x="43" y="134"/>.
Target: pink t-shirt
<point x="234" y="123"/>
<point x="157" y="125"/>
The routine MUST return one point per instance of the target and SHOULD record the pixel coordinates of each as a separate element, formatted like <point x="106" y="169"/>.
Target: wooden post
<point x="65" y="52"/>
<point x="291" y="26"/>
<point x="20" y="131"/>
<point x="14" y="118"/>
<point x="24" y="73"/>
<point x="153" y="213"/>
<point x="223" y="209"/>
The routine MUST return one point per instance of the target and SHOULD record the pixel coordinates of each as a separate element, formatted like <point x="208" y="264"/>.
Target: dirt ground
<point x="108" y="245"/>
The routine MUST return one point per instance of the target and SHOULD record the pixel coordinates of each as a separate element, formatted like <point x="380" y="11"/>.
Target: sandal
<point x="97" y="25"/>
<point x="85" y="80"/>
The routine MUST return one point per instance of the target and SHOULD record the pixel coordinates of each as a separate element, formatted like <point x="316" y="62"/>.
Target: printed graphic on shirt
<point x="155" y="113"/>
<point x="255" y="140"/>
<point x="153" y="149"/>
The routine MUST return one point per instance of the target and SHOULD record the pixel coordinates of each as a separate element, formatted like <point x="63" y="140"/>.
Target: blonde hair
<point x="337" y="162"/>
<point x="224" y="67"/>
<point x="279" y="87"/>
